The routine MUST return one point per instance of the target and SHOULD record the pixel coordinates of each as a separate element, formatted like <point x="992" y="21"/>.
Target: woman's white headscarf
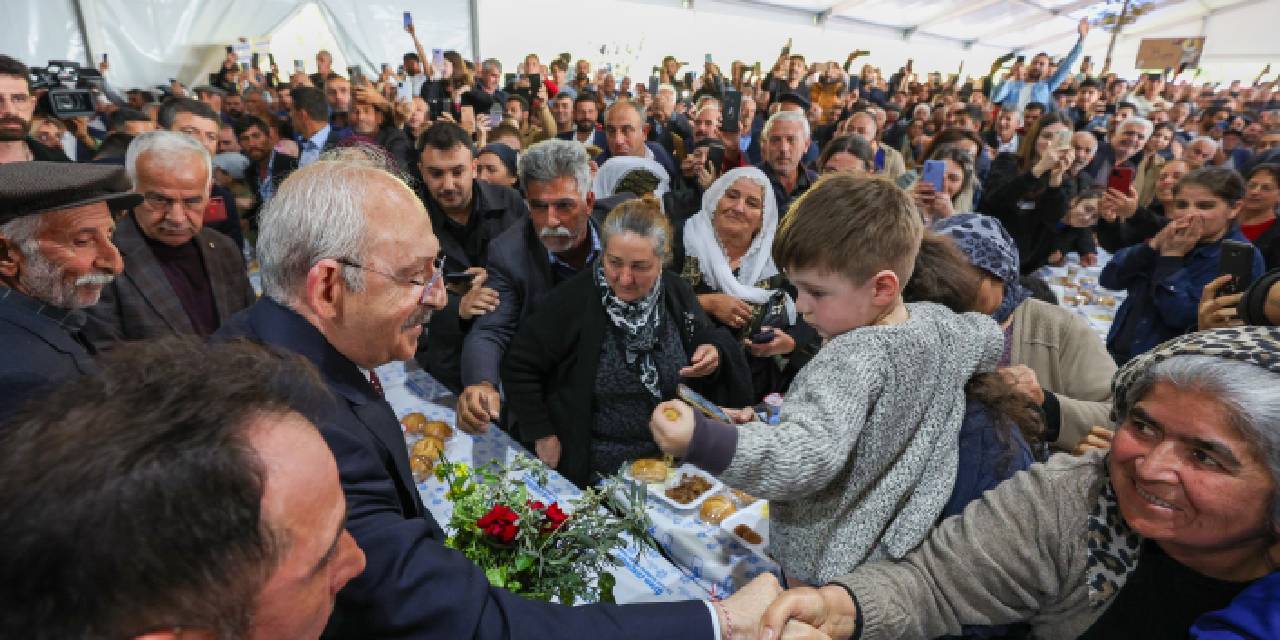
<point x="613" y="170"/>
<point x="700" y="242"/>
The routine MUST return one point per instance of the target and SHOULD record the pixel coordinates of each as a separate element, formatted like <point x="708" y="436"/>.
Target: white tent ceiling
<point x="152" y="40"/>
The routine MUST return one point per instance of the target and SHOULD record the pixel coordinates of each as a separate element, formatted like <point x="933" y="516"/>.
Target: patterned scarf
<point x="1113" y="546"/>
<point x="990" y="248"/>
<point x="638" y="322"/>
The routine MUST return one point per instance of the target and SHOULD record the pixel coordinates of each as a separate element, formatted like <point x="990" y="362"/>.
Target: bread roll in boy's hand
<point x="672" y="427"/>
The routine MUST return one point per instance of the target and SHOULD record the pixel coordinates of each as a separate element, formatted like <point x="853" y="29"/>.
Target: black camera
<point x="69" y="89"/>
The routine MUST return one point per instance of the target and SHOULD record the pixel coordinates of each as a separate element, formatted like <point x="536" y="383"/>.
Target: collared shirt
<point x="1011" y="146"/>
<point x="266" y="185"/>
<point x="312" y="147"/>
<point x="563" y="270"/>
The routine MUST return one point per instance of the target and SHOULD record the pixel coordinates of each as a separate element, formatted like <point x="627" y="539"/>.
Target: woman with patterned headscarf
<point x="1178" y="519"/>
<point x="1051" y="354"/>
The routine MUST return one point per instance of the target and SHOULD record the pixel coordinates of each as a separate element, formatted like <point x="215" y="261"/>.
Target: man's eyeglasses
<point x="163" y="202"/>
<point x="437" y="272"/>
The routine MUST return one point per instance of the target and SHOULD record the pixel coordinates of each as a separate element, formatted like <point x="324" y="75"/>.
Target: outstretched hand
<point x="1083" y="28"/>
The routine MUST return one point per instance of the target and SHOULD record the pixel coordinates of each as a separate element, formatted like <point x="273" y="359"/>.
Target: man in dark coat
<point x="267" y="168"/>
<point x="466" y="214"/>
<point x="179" y="278"/>
<point x="349" y="314"/>
<point x="625" y="131"/>
<point x="56" y="256"/>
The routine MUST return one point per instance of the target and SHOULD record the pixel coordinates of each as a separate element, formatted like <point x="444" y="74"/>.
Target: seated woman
<point x="1122" y="223"/>
<point x="1166" y="275"/>
<point x="496" y="164"/>
<point x="1179" y="517"/>
<point x="1052" y="355"/>
<point x="846" y="153"/>
<point x="728" y="263"/>
<point x="999" y="420"/>
<point x="958" y="182"/>
<point x="1026" y="191"/>
<point x="585" y="371"/>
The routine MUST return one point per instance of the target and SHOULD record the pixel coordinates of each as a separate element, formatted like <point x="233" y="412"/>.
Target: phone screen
<point x="732" y="111"/>
<point x="408" y="19"/>
<point x="935" y="173"/>
<point x="653" y="85"/>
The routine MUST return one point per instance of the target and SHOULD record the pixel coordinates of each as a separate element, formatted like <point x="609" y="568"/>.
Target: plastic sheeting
<point x="42" y="30"/>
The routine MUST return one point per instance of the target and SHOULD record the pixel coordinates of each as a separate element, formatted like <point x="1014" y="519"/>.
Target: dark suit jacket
<point x="141" y="304"/>
<point x="412" y="585"/>
<point x="280" y="167"/>
<point x="549" y="373"/>
<point x="37" y="352"/>
<point x="499" y="208"/>
<point x="597" y="138"/>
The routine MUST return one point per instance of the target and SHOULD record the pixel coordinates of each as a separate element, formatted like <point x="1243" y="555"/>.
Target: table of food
<point x="1077" y="287"/>
<point x="713" y="539"/>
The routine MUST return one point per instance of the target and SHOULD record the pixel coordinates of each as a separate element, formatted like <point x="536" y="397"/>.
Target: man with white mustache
<point x="180" y="277"/>
<point x="56" y="255"/>
<point x="557" y="241"/>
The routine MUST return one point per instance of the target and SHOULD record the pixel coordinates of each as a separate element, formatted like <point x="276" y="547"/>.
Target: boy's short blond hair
<point x="854" y="225"/>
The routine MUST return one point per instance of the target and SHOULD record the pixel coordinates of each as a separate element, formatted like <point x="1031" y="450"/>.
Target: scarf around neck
<point x="638" y="321"/>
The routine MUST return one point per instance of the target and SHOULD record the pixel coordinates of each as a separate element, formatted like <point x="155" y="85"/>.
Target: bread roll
<point x="716" y="508"/>
<point x="649" y="470"/>
<point x="414" y="423"/>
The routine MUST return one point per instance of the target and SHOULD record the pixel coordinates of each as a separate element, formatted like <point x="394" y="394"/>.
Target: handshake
<point x="763" y="610"/>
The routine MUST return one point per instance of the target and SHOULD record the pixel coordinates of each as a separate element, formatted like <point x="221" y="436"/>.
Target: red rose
<point x="499" y="523"/>
<point x="535" y="505"/>
<point x="555" y="517"/>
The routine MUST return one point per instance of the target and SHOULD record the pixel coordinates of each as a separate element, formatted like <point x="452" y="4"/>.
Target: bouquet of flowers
<point x="541" y="551"/>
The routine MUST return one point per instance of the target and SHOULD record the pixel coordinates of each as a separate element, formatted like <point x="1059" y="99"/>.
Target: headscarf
<point x="613" y="170"/>
<point x="234" y="163"/>
<point x="638" y="320"/>
<point x="989" y="247"/>
<point x="700" y="242"/>
<point x="1114" y="548"/>
<point x="506" y="154"/>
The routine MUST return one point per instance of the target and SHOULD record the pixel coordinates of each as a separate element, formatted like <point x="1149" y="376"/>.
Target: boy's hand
<point x="672" y="427"/>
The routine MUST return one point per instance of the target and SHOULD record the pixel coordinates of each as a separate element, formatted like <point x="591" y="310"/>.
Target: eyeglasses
<point x="437" y="272"/>
<point x="163" y="202"/>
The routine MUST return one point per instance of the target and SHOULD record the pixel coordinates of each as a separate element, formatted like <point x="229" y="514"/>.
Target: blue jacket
<point x="1164" y="293"/>
<point x="38" y="351"/>
<point x="1006" y="93"/>
<point x="413" y="586"/>
<point x="1255" y="613"/>
<point x="985" y="460"/>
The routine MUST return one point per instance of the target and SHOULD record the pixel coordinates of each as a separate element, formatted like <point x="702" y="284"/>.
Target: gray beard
<point x="46" y="281"/>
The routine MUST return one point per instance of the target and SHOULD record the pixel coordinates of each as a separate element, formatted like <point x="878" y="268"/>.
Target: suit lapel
<point x="51" y="333"/>
<point x="378" y="417"/>
<point x="219" y="278"/>
<point x="142" y="268"/>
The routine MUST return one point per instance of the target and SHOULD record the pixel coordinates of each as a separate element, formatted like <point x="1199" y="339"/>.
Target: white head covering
<point x="615" y="168"/>
<point x="700" y="242"/>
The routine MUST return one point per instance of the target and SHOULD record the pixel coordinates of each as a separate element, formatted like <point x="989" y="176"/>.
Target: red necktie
<point x="377" y="384"/>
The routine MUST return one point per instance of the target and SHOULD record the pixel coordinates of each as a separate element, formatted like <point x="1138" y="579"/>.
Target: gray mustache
<point x="103" y="279"/>
<point x="557" y="232"/>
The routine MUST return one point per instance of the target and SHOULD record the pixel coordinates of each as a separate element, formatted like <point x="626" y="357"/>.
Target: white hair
<point x="1147" y="127"/>
<point x="22" y="231"/>
<point x="551" y="159"/>
<point x="788" y="116"/>
<point x="169" y="145"/>
<point x="1213" y="144"/>
<point x="317" y="213"/>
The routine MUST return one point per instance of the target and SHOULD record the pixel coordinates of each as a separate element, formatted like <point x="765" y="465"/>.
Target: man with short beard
<point x="56" y="255"/>
<point x="1036" y="85"/>
<point x="586" y="128"/>
<point x="467" y="214"/>
<point x="1124" y="149"/>
<point x="562" y="112"/>
<point x="179" y="277"/>
<point x="267" y="168"/>
<point x="16" y="107"/>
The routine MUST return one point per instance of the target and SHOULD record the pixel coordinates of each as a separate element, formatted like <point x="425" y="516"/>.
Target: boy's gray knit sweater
<point x="865" y="456"/>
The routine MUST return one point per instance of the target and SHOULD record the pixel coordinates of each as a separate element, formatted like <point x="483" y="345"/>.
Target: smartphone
<point x="1020" y="59"/>
<point x="1236" y="260"/>
<point x="786" y="49"/>
<point x="355" y="75"/>
<point x="715" y="157"/>
<point x="706" y="59"/>
<point x="508" y="81"/>
<point x="496" y="112"/>
<point x="437" y="106"/>
<point x="104" y="58"/>
<point x="695" y="400"/>
<point x="461" y="277"/>
<point x="271" y="59"/>
<point x="299" y="67"/>
<point x="467" y="117"/>
<point x="535" y="81"/>
<point x="253" y="61"/>
<point x="764" y="337"/>
<point x="244" y="67"/>
<point x="437" y="62"/>
<point x="934" y="173"/>
<point x="408" y="19"/>
<point x="732" y="111"/>
<point x="1121" y="179"/>
<point x="653" y="85"/>
<point x="1062" y="139"/>
<point x="688" y="80"/>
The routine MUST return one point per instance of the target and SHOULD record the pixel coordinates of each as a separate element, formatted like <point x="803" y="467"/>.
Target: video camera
<point x="69" y="89"/>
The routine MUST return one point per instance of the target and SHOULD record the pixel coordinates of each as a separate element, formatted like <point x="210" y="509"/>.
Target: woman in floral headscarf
<point x="1051" y="354"/>
<point x="1176" y="520"/>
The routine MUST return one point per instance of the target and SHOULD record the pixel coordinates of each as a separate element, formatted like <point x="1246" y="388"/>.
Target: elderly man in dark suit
<point x="349" y="288"/>
<point x="56" y="255"/>
<point x="179" y="278"/>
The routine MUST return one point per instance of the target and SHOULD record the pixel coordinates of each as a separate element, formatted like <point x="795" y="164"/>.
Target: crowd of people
<point x="956" y="454"/>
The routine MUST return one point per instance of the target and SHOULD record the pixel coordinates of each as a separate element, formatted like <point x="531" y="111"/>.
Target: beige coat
<point x="1070" y="360"/>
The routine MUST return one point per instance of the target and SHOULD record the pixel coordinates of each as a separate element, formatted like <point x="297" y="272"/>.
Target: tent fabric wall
<point x="36" y="31"/>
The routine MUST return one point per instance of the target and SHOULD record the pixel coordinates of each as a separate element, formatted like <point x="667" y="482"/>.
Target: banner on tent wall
<point x="1169" y="53"/>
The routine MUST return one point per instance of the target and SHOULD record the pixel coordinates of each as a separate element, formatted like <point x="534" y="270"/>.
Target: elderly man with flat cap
<point x="56" y="255"/>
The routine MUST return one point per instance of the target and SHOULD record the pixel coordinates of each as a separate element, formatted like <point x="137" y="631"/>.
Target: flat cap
<point x="796" y="99"/>
<point x="30" y="188"/>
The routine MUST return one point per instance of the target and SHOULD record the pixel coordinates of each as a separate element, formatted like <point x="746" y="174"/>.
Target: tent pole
<point x="84" y="34"/>
<point x="475" y="32"/>
<point x="1115" y="33"/>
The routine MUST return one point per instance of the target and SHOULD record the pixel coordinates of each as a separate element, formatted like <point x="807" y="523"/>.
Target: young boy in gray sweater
<point x="865" y="456"/>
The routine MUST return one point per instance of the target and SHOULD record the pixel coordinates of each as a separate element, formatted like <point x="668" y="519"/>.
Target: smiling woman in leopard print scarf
<point x="1176" y="525"/>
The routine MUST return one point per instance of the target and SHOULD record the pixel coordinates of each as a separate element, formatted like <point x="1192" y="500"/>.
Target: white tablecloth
<point x="707" y="559"/>
<point x="1072" y="281"/>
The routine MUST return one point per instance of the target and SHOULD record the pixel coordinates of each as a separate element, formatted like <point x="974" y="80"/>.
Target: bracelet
<point x="726" y="631"/>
